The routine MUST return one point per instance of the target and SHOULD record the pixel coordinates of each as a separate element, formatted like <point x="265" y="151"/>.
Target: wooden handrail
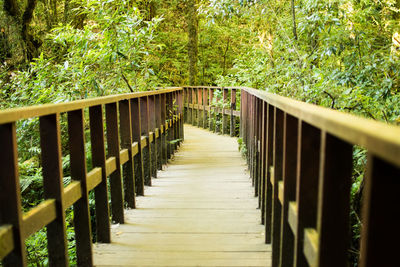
<point x="300" y="161"/>
<point x="132" y="122"/>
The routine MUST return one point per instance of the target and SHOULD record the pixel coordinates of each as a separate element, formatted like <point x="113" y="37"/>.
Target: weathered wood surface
<point x="201" y="211"/>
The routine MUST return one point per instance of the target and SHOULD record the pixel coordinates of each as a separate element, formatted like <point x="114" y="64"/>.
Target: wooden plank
<point x="15" y="114"/>
<point x="290" y="140"/>
<point x="94" y="178"/>
<point x="72" y="193"/>
<point x="311" y="245"/>
<point x="232" y="109"/>
<point x="6" y="240"/>
<point x="136" y="137"/>
<point x="335" y="180"/>
<point x="380" y="231"/>
<point x="126" y="158"/>
<point x="38" y="217"/>
<point x="135" y="148"/>
<point x="111" y="165"/>
<point x="280" y="192"/>
<point x="77" y="192"/>
<point x="278" y="170"/>
<point x="50" y="143"/>
<point x="152" y="142"/>
<point x="144" y="131"/>
<point x="268" y="178"/>
<point x="164" y="156"/>
<point x="113" y="151"/>
<point x="10" y="203"/>
<point x="307" y="185"/>
<point x="292" y="216"/>
<point x="158" y="131"/>
<point x="99" y="160"/>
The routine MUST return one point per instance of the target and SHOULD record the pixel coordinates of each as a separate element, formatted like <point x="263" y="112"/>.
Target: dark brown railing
<point x="300" y="159"/>
<point x="140" y="128"/>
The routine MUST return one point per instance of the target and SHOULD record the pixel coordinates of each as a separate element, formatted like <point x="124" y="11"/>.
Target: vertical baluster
<point x="185" y="101"/>
<point x="224" y="115"/>
<point x="307" y="185"/>
<point x="144" y="131"/>
<point x="380" y="231"/>
<point x="181" y="133"/>
<point x="158" y="129"/>
<point x="200" y="107"/>
<point x="256" y="149"/>
<point x="190" y="103"/>
<point x="152" y="129"/>
<point x="276" y="178"/>
<point x="194" y="99"/>
<point x="212" y="110"/>
<point x="10" y="203"/>
<point x="99" y="160"/>
<point x="83" y="231"/>
<point x="126" y="143"/>
<point x="268" y="164"/>
<point x="170" y="112"/>
<point x="217" y="114"/>
<point x="164" y="137"/>
<point x="259" y="149"/>
<point x="117" y="201"/>
<point x="136" y="137"/>
<point x="50" y="142"/>
<point x="264" y="112"/>
<point x="232" y="117"/>
<point x="290" y="138"/>
<point x="205" y="104"/>
<point x="334" y="201"/>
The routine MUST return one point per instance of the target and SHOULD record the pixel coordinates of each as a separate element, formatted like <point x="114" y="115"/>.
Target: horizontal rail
<point x="16" y="114"/>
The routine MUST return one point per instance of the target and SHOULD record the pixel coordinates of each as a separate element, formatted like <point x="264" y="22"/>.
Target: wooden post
<point x="276" y="179"/>
<point x="263" y="170"/>
<point x="205" y="104"/>
<point x="164" y="137"/>
<point x="268" y="164"/>
<point x="380" y="231"/>
<point x="158" y="129"/>
<point x="10" y="203"/>
<point x="194" y="110"/>
<point x="289" y="167"/>
<point x="126" y="143"/>
<point x="136" y="137"/>
<point x="117" y="200"/>
<point x="50" y="143"/>
<point x="144" y="131"/>
<point x="307" y="184"/>
<point x="200" y="107"/>
<point x="99" y="160"/>
<point x="83" y="231"/>
<point x="152" y="128"/>
<point x="224" y="129"/>
<point x="232" y="117"/>
<point x="334" y="201"/>
<point x="211" y="116"/>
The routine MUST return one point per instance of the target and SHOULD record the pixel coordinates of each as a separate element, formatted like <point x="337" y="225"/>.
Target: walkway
<point x="200" y="212"/>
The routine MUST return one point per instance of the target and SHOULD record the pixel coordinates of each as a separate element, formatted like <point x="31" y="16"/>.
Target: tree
<point x="192" y="22"/>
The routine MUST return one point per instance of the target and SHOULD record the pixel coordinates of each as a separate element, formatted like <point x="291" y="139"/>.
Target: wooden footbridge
<point x="160" y="201"/>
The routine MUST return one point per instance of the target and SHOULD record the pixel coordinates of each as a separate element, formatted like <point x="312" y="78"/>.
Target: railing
<point x="142" y="132"/>
<point x="213" y="108"/>
<point x="300" y="159"/>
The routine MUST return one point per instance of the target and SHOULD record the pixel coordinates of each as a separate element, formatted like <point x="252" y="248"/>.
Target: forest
<point x="341" y="54"/>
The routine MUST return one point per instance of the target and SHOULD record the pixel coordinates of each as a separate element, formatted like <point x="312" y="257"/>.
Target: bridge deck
<point x="199" y="212"/>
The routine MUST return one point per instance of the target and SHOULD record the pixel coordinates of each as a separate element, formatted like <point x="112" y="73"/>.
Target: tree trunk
<point x="192" y="22"/>
<point x="294" y="20"/>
